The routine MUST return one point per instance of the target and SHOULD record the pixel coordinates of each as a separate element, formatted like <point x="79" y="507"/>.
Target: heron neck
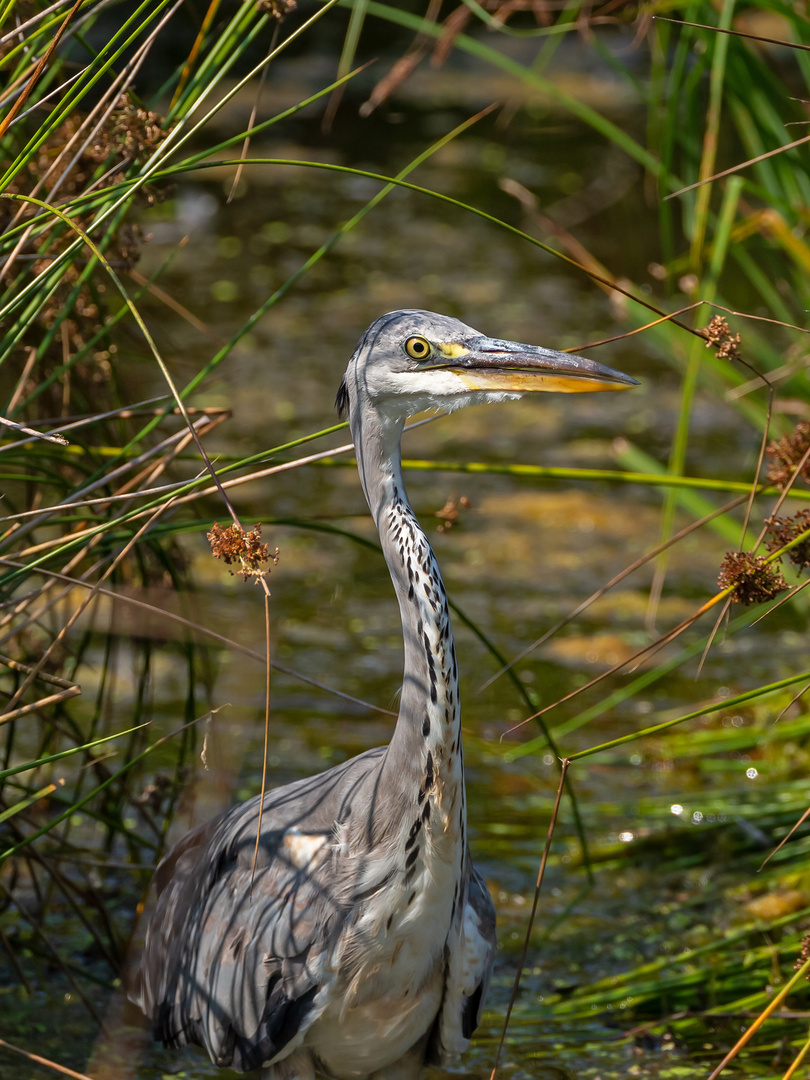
<point x="425" y="751"/>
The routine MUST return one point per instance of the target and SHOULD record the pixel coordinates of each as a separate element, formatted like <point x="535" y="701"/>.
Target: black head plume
<point x="342" y="400"/>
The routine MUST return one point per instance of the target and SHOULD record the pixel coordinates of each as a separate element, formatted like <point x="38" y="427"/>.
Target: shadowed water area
<point x="675" y="825"/>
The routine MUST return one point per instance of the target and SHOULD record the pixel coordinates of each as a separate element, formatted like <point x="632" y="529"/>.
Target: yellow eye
<point x="418" y="348"/>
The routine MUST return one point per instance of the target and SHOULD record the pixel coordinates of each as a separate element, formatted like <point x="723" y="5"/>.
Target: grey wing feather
<point x="234" y="969"/>
<point x="471" y="956"/>
<point x="482" y="952"/>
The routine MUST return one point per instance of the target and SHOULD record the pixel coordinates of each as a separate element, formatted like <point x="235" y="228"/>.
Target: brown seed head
<point x="804" y="954"/>
<point x="719" y="336"/>
<point x="754" y="580"/>
<point x="130" y="132"/>
<point x="450" y="512"/>
<point x="276" y="9"/>
<point x="786" y="456"/>
<point x="783" y="530"/>
<point x="233" y="545"/>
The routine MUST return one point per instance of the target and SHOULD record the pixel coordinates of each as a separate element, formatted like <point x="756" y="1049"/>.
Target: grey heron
<point x="365" y="947"/>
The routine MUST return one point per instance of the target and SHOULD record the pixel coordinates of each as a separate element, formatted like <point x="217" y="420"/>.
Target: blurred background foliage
<point x="202" y="207"/>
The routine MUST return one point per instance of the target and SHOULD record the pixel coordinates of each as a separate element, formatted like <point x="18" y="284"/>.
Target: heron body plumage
<point x="362" y="947"/>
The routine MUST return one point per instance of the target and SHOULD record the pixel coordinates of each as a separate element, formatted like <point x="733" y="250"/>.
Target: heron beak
<point x="492" y="364"/>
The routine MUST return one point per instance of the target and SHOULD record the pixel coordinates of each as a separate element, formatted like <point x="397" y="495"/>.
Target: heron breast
<point x="355" y="1040"/>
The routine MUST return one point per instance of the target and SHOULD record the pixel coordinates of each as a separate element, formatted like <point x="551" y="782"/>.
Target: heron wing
<point x="471" y="953"/>
<point x="233" y="959"/>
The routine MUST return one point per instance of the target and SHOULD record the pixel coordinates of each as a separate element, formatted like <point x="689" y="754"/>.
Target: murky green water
<point x="524" y="554"/>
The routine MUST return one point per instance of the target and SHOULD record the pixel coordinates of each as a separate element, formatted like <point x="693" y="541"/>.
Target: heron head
<point x="410" y="361"/>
